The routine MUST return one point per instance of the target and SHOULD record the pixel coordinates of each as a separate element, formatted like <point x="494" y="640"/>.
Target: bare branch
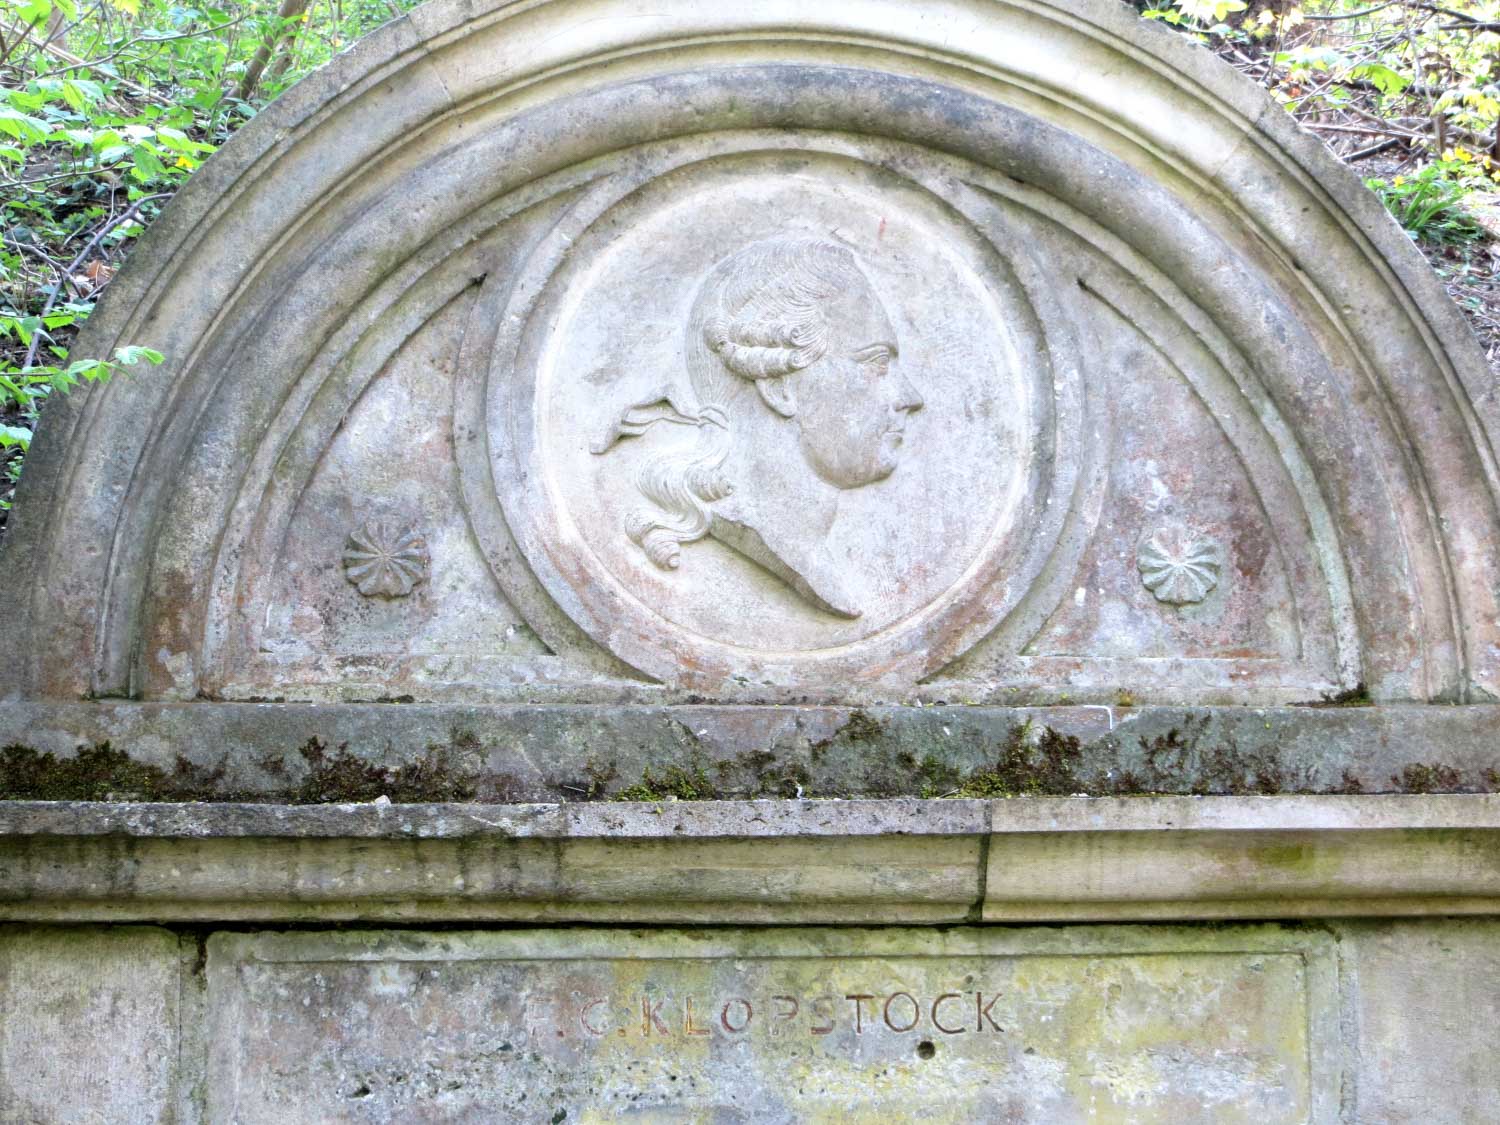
<point x="124" y="217"/>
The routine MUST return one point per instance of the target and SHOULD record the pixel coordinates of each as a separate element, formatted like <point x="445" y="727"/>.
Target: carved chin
<point x="882" y="465"/>
<point x="874" y="465"/>
<point x="890" y="453"/>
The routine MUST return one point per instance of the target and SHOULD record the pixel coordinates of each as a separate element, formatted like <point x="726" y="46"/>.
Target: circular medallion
<point x="773" y="417"/>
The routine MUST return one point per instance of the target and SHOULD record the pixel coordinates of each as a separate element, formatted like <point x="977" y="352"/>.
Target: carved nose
<point x="907" y="398"/>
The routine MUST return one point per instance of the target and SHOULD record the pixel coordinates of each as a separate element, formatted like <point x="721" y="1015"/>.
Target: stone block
<point x="1045" y="1026"/>
<point x="1426" y="1003"/>
<point x="89" y="1026"/>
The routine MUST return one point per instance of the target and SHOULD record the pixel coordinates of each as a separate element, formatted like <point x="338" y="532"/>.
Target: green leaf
<point x="81" y="93"/>
<point x="21" y="99"/>
<point x="34" y="12"/>
<point x="174" y="139"/>
<point x="15" y="435"/>
<point x="148" y="165"/>
<point x="11" y="152"/>
<point x="23" y="128"/>
<point x="134" y="353"/>
<point x="16" y="391"/>
<point x="1384" y="79"/>
<point x="91" y="370"/>
<point x="1209" y="11"/>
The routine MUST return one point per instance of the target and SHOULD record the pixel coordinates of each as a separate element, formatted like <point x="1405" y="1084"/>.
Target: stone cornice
<point x="891" y="861"/>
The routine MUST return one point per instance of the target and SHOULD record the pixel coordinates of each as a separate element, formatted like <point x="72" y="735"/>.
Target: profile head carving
<point x="792" y="360"/>
<point x="797" y="320"/>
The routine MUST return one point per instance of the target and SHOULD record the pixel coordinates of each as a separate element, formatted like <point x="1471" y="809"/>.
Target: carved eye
<point x="875" y="360"/>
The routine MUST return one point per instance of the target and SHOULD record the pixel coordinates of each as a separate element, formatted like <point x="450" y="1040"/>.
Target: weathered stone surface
<point x="1368" y="1023"/>
<point x="1142" y="859"/>
<point x="1423" y="995"/>
<point x="776" y="1026"/>
<point x="89" y="1029"/>
<point x="422" y="753"/>
<point x="582" y="399"/>
<point x="814" y="353"/>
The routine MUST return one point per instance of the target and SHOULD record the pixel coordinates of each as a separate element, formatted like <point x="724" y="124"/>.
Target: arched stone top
<point x="587" y="350"/>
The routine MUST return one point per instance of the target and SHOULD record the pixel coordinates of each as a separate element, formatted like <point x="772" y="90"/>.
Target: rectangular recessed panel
<point x="1090" y="1024"/>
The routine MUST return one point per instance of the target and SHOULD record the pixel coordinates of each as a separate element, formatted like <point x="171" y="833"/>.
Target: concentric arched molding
<point x="1146" y="183"/>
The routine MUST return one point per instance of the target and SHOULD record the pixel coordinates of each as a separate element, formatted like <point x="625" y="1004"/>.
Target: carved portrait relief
<point x="767" y="413"/>
<point x="799" y="396"/>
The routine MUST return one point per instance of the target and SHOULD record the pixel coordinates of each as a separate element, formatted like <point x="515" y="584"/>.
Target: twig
<point x="89" y="231"/>
<point x="78" y="174"/>
<point x="1437" y="11"/>
<point x="151" y="39"/>
<point x="1375" y="149"/>
<point x="124" y="217"/>
<point x="1353" y="15"/>
<point x="37" y="250"/>
<point x="286" y="17"/>
<point x="20" y="37"/>
<point x="1366" y="130"/>
<point x="76" y="62"/>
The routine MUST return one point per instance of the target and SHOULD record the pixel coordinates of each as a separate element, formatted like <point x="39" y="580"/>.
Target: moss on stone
<point x="1348" y="784"/>
<point x="862" y="727"/>
<point x="339" y="777"/>
<point x="675" y="783"/>
<point x="1035" y="767"/>
<point x="1357" y="696"/>
<point x="1420" y="777"/>
<point x="99" y="773"/>
<point x="102" y="773"/>
<point x="1220" y="768"/>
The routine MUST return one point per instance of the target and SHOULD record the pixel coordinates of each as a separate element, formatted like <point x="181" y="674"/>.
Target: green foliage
<point x="1199" y="16"/>
<point x="106" y="107"/>
<point x="1429" y="204"/>
<point x="1410" y="84"/>
<point x="25" y="388"/>
<point x="1418" y="60"/>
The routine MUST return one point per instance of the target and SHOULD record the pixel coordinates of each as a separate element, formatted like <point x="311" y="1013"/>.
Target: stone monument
<point x="720" y="563"/>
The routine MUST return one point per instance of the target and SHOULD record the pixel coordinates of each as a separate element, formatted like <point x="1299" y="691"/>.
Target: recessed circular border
<point x="577" y="594"/>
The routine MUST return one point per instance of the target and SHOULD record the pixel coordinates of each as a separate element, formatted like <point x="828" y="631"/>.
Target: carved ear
<point x="777" y="393"/>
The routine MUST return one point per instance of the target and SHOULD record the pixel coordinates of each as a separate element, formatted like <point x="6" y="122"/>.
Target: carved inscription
<point x="490" y="1027"/>
<point x="793" y="363"/>
<point x="775" y="1016"/>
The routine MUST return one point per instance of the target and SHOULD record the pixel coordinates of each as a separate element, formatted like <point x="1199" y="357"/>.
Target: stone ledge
<point x="1038" y="859"/>
<point x="279" y="752"/>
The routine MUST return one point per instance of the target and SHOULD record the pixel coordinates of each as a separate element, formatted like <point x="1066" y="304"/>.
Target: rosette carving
<point x="1180" y="566"/>
<point x="386" y="561"/>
